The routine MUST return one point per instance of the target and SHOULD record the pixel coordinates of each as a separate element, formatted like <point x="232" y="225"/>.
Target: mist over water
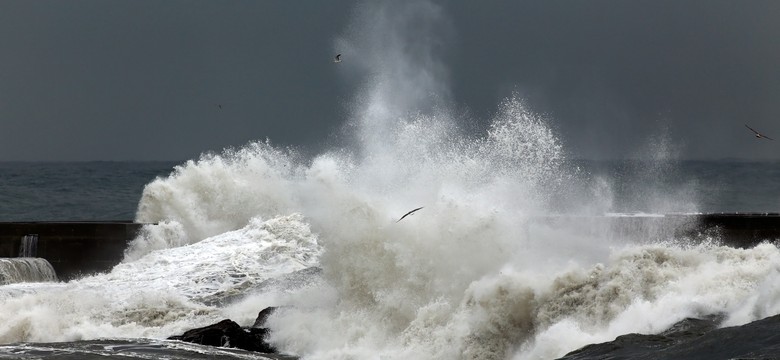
<point x="469" y="276"/>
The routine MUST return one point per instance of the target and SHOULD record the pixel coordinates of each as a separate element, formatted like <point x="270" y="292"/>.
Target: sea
<point x="112" y="190"/>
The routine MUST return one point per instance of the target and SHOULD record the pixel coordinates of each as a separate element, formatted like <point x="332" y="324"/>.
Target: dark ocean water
<point x="711" y="186"/>
<point x="102" y="191"/>
<point x="74" y="191"/>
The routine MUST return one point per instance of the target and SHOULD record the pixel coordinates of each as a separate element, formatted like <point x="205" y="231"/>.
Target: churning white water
<point x="164" y="293"/>
<point x="469" y="276"/>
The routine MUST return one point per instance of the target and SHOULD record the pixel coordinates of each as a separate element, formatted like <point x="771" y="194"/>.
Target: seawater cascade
<point x="28" y="246"/>
<point x="25" y="269"/>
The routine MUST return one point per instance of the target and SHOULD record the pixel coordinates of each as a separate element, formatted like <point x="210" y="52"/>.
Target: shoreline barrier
<point x="741" y="230"/>
<point x="76" y="249"/>
<point x="73" y="249"/>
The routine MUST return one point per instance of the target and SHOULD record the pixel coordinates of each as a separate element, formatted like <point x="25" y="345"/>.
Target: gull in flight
<point x="758" y="134"/>
<point x="409" y="213"/>
<point x="337" y="59"/>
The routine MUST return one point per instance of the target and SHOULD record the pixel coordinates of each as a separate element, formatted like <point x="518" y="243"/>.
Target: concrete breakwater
<point x="733" y="229"/>
<point x="73" y="248"/>
<point x="82" y="248"/>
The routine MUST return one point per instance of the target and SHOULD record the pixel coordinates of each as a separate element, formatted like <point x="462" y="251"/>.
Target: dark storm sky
<point x="142" y="80"/>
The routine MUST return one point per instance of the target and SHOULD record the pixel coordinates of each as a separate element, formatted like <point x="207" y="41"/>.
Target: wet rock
<point x="227" y="333"/>
<point x="262" y="317"/>
<point x="692" y="339"/>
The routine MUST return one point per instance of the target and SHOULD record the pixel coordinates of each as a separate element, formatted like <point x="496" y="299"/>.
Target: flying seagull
<point x="337" y="59"/>
<point x="409" y="213"/>
<point x="758" y="134"/>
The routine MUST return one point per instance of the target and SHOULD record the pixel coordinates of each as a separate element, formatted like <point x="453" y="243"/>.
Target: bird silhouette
<point x="409" y="213"/>
<point x="758" y="134"/>
<point x="337" y="59"/>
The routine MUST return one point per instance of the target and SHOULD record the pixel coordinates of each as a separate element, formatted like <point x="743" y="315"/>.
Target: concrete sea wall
<point x="73" y="248"/>
<point x="81" y="248"/>
<point x="733" y="229"/>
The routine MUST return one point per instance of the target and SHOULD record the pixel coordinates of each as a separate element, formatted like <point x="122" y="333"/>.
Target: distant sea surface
<point x="709" y="186"/>
<point x="106" y="191"/>
<point x="74" y="191"/>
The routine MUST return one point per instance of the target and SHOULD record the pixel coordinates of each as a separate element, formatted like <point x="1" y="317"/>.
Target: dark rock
<point x="263" y="316"/>
<point x="690" y="327"/>
<point x="633" y="345"/>
<point x="258" y="329"/>
<point x="227" y="333"/>
<point x="693" y="339"/>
